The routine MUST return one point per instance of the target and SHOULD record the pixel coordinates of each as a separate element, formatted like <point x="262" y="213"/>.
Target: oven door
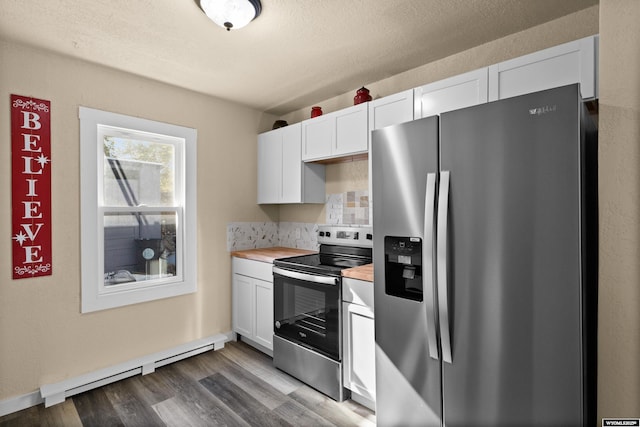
<point x="308" y="310"/>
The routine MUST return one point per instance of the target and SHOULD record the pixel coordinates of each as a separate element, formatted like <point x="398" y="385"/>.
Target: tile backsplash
<point x="299" y="235"/>
<point x="251" y="235"/>
<point x="351" y="207"/>
<point x="254" y="235"/>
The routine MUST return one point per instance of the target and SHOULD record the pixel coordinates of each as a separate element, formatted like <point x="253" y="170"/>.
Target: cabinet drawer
<point x="247" y="267"/>
<point x="357" y="291"/>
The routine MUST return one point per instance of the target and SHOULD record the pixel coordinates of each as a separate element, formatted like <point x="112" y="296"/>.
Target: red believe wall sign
<point x="31" y="186"/>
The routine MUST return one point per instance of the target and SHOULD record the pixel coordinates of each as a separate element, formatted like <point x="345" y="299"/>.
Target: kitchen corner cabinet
<point x="359" y="372"/>
<point x="252" y="302"/>
<point x="453" y="93"/>
<point x="282" y="176"/>
<point x="573" y="62"/>
<point x="338" y="134"/>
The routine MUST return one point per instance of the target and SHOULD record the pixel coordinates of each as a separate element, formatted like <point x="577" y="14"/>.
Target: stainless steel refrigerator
<point x="485" y="265"/>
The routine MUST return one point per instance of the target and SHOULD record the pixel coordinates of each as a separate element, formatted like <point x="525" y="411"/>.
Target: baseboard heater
<point x="53" y="394"/>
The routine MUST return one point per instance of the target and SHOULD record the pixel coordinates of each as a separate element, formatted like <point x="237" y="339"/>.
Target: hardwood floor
<point x="235" y="386"/>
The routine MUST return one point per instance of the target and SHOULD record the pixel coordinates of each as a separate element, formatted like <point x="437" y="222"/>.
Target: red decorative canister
<point x="316" y="111"/>
<point x="362" y="95"/>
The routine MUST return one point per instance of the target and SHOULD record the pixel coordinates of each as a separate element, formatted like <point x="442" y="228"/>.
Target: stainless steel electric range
<point x="307" y="342"/>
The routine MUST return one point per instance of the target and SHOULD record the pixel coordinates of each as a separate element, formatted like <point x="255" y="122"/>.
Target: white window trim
<point x="91" y="229"/>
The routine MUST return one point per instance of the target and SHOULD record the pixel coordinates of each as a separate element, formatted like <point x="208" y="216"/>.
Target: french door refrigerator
<point x="485" y="265"/>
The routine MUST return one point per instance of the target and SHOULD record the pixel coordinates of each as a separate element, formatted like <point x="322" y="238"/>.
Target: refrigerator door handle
<point x="428" y="263"/>
<point x="442" y="252"/>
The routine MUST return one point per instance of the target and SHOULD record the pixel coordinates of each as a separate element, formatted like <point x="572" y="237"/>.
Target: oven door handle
<point x="325" y="280"/>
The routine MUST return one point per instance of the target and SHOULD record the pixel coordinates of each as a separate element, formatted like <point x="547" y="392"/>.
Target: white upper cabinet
<point x="573" y="62"/>
<point x="282" y="176"/>
<point x="292" y="166"/>
<point x="456" y="92"/>
<point x="352" y="132"/>
<point x="337" y="134"/>
<point x="391" y="110"/>
<point x="269" y="166"/>
<point x="318" y="137"/>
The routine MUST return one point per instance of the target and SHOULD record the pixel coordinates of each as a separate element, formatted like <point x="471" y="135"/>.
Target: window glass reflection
<point x="139" y="246"/>
<point x="138" y="173"/>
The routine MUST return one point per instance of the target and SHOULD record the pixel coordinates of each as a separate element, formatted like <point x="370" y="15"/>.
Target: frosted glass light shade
<point x="231" y="13"/>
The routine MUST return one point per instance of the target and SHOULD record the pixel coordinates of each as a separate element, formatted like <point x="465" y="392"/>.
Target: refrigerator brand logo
<point x="542" y="110"/>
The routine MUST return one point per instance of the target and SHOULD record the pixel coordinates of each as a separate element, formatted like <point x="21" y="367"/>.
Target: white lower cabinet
<point x="252" y="295"/>
<point x="359" y="364"/>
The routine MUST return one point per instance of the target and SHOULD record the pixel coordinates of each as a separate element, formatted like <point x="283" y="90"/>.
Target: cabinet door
<point x="561" y="65"/>
<point x="450" y="94"/>
<point x="270" y="166"/>
<point x="264" y="313"/>
<point x="318" y="136"/>
<point x="391" y="110"/>
<point x="359" y="350"/>
<point x="291" y="164"/>
<point x="352" y="134"/>
<point x="243" y="305"/>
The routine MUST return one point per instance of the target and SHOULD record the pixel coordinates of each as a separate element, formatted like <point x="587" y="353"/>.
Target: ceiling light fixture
<point x="231" y="13"/>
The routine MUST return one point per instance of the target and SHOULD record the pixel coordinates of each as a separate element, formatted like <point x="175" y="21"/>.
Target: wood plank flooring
<point x="235" y="386"/>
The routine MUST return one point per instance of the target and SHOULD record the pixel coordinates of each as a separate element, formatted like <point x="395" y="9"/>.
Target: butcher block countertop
<point x="364" y="272"/>
<point x="269" y="254"/>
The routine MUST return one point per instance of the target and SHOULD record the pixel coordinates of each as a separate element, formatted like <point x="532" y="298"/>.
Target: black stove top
<point x="331" y="260"/>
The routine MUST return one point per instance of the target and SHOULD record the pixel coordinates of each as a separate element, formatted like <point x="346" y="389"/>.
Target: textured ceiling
<point x="295" y="53"/>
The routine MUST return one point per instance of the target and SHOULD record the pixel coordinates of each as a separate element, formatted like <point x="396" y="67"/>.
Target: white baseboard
<point x="18" y="403"/>
<point x="52" y="394"/>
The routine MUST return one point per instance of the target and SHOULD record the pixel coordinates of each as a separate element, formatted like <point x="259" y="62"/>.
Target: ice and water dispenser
<point x="403" y="267"/>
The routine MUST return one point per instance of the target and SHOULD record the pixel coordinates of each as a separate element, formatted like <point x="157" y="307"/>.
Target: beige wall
<point x="619" y="193"/>
<point x="43" y="336"/>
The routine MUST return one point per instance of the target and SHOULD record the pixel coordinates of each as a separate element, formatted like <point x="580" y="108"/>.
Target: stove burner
<point x="329" y="261"/>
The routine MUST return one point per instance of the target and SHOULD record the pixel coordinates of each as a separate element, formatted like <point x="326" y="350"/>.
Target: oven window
<point x="308" y="313"/>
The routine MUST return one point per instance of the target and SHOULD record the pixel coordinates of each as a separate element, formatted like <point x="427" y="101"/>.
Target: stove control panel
<point x="345" y="235"/>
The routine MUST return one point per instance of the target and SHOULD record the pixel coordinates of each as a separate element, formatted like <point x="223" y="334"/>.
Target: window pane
<point x="138" y="172"/>
<point x="139" y="246"/>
